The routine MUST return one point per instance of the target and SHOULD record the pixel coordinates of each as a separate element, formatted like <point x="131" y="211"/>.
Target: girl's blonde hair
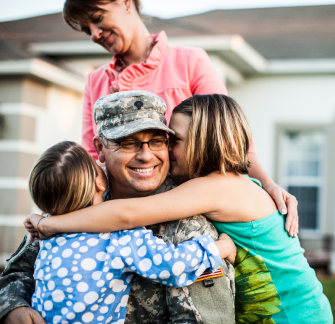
<point x="219" y="137"/>
<point x="63" y="179"/>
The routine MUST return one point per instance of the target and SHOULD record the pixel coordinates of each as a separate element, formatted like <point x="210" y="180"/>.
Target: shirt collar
<point x="154" y="59"/>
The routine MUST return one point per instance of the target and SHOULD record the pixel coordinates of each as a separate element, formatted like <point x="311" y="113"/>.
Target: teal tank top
<point x="274" y="282"/>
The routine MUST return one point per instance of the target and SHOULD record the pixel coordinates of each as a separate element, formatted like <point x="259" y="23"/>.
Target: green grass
<point x="329" y="290"/>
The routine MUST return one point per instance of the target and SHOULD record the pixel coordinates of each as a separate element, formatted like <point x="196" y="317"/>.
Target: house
<point x="278" y="63"/>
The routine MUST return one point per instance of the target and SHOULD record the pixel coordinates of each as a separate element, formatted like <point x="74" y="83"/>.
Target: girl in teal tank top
<point x="273" y="276"/>
<point x="274" y="283"/>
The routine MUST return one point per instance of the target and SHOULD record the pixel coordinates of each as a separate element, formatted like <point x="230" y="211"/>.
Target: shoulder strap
<point x="254" y="180"/>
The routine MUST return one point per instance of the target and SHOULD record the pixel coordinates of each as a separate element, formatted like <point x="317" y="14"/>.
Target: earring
<point x="128" y="10"/>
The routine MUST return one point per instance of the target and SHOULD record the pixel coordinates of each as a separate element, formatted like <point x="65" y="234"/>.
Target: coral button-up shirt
<point x="173" y="73"/>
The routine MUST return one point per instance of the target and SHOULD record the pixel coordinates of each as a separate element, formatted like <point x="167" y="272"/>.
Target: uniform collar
<point x="167" y="185"/>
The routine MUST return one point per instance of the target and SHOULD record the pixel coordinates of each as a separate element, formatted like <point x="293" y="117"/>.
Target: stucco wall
<point x="268" y="101"/>
<point x="37" y="115"/>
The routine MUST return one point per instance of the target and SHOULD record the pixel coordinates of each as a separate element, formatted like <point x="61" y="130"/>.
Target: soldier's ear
<point x="99" y="148"/>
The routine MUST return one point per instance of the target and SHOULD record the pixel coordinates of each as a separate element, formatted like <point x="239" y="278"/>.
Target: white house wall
<point x="37" y="115"/>
<point x="62" y="120"/>
<point x="268" y="101"/>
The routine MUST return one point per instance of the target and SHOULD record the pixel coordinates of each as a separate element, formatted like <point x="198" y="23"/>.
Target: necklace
<point x="119" y="65"/>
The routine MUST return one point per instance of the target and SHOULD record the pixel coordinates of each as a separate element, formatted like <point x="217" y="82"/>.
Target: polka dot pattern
<point x="93" y="241"/>
<point x="48" y="305"/>
<point x="88" y="264"/>
<point x="91" y="297"/>
<point x="62" y="272"/>
<point x="96" y="275"/>
<point x="125" y="251"/>
<point x="75" y="244"/>
<point x="82" y="286"/>
<point x="61" y="240"/>
<point x="86" y="278"/>
<point x="66" y="253"/>
<point x="56" y="262"/>
<point x="142" y="251"/>
<point x="83" y="249"/>
<point x="79" y="307"/>
<point x="57" y="296"/>
<point x="51" y="285"/>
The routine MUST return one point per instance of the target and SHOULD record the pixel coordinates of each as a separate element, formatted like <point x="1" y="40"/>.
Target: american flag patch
<point x="209" y="275"/>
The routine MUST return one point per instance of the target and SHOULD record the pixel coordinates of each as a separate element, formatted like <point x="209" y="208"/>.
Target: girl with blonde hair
<point x="274" y="282"/>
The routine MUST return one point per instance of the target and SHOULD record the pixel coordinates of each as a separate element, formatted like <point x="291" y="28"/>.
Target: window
<point x="302" y="166"/>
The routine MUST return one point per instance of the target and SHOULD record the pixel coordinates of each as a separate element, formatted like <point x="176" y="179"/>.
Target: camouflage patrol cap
<point x="124" y="113"/>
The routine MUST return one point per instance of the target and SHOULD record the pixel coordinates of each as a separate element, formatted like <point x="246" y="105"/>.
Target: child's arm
<point x="191" y="198"/>
<point x="226" y="247"/>
<point x="170" y="265"/>
<point x="194" y="197"/>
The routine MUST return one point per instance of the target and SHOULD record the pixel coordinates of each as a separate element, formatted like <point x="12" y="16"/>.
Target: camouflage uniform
<point x="17" y="282"/>
<point x="149" y="302"/>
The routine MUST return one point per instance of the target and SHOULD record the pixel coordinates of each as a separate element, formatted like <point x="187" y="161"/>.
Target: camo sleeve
<point x="17" y="282"/>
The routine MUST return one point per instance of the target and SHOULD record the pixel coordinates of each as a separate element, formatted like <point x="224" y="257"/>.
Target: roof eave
<point x="43" y="70"/>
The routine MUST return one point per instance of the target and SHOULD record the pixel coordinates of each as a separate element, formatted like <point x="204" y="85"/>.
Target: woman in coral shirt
<point x="146" y="62"/>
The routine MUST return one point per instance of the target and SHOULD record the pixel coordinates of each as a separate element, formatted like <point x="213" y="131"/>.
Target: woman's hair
<point x="77" y="11"/>
<point x="219" y="135"/>
<point x="63" y="179"/>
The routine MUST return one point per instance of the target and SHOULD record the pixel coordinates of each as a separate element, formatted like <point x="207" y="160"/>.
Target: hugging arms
<point x="223" y="194"/>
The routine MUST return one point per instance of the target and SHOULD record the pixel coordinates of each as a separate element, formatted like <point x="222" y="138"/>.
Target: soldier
<point x="138" y="114"/>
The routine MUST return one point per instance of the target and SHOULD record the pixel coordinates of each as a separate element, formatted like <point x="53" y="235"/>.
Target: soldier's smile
<point x="137" y="173"/>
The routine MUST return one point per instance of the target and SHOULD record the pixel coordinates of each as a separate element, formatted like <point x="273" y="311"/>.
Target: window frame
<point x="281" y="130"/>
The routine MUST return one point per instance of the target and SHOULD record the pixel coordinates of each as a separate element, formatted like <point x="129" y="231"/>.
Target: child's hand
<point x="31" y="224"/>
<point x="226" y="247"/>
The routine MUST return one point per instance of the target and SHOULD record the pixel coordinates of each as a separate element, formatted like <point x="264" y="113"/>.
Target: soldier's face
<point x="134" y="174"/>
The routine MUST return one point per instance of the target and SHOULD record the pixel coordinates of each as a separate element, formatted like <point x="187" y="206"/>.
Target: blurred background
<point x="277" y="59"/>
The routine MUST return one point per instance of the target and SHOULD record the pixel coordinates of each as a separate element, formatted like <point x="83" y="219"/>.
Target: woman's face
<point x="180" y="123"/>
<point x="113" y="26"/>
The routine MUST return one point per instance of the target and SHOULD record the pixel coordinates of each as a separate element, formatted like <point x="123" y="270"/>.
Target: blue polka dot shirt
<point x="86" y="278"/>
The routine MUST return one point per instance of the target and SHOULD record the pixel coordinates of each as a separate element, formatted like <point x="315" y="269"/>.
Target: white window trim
<point x="282" y="179"/>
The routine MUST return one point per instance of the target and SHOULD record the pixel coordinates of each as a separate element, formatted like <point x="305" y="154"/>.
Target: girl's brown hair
<point x="219" y="137"/>
<point x="63" y="179"/>
<point x="78" y="11"/>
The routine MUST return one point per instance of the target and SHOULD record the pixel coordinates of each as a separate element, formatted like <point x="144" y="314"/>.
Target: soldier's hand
<point x="24" y="315"/>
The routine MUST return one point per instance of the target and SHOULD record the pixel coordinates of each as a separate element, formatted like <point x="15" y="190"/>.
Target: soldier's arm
<point x="17" y="282"/>
<point x="185" y="229"/>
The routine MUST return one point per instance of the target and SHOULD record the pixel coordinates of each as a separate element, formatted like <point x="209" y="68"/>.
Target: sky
<point x="18" y="9"/>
